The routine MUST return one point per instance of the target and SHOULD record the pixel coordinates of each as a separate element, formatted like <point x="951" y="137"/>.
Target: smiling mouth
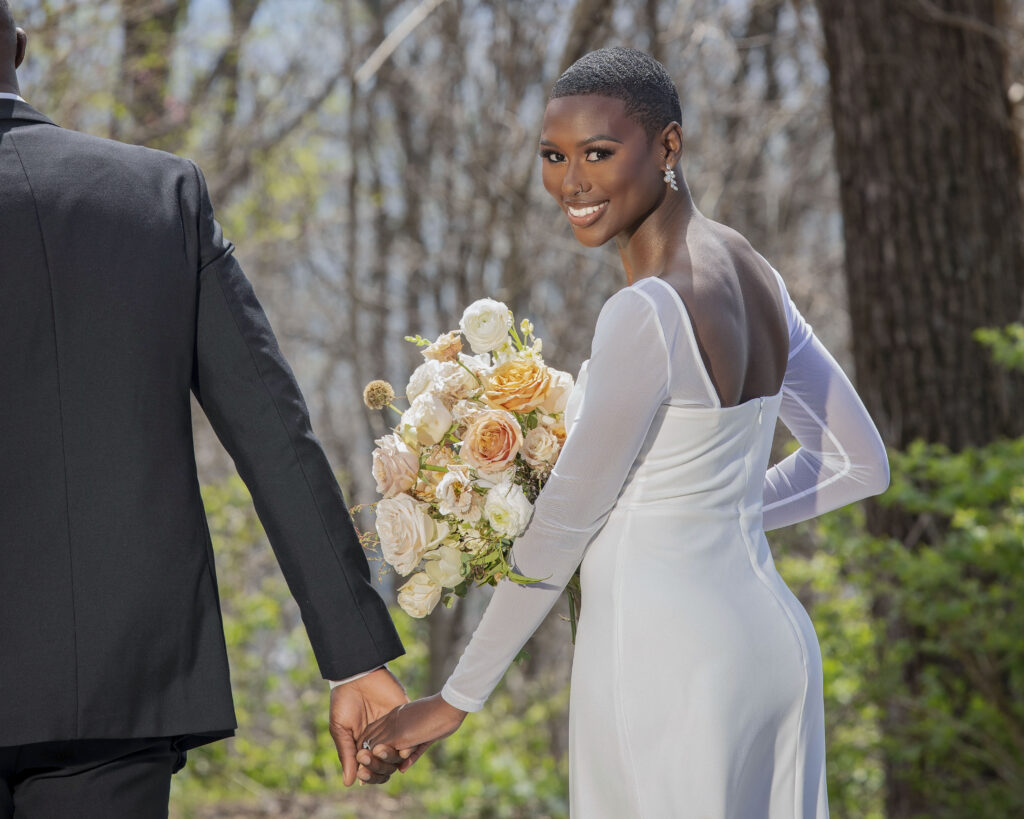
<point x="585" y="215"/>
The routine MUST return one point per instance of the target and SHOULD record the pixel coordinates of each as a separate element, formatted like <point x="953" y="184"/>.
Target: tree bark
<point x="930" y="172"/>
<point x="929" y="177"/>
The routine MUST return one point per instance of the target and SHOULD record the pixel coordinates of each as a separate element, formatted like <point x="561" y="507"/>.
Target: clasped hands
<point x="377" y="730"/>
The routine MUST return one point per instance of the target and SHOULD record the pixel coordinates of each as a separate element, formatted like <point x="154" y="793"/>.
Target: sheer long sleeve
<point x="628" y="380"/>
<point x="841" y="458"/>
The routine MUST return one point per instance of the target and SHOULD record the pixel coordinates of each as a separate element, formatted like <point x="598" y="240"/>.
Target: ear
<point x="670" y="143"/>
<point x="22" y="45"/>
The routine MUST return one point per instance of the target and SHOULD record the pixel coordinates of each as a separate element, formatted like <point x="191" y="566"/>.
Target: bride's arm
<point x="841" y="457"/>
<point x="627" y="382"/>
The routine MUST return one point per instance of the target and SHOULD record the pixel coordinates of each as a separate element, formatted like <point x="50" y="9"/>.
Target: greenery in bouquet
<point x="464" y="465"/>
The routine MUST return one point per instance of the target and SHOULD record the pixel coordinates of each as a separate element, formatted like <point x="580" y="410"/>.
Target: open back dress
<point x="697" y="679"/>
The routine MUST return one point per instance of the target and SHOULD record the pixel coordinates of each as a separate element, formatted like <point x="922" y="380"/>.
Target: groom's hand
<point x="354" y="706"/>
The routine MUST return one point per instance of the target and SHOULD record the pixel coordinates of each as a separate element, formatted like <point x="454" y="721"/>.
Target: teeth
<point x="578" y="212"/>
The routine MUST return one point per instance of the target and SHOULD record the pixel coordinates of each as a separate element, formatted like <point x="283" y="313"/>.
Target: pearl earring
<point x="670" y="179"/>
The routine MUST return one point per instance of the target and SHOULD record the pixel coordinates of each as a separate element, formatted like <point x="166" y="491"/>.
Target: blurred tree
<point x="930" y="182"/>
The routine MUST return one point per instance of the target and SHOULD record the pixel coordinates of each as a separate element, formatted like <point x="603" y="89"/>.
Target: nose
<point x="575" y="179"/>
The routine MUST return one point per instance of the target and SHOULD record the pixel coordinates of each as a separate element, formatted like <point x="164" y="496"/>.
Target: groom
<point x="118" y="297"/>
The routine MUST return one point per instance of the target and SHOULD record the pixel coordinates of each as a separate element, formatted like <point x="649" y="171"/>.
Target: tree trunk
<point x="929" y="177"/>
<point x="929" y="169"/>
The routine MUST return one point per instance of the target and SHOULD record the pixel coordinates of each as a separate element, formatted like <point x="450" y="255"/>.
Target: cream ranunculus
<point x="491" y="441"/>
<point x="419" y="595"/>
<point x="485" y="324"/>
<point x="429" y="417"/>
<point x="540" y="448"/>
<point x="422" y="379"/>
<point x="444" y="566"/>
<point x="406" y="531"/>
<point x="559" y="391"/>
<point x="518" y="385"/>
<point x="507" y="510"/>
<point x="446" y="348"/>
<point x="394" y="466"/>
<point x="456" y="496"/>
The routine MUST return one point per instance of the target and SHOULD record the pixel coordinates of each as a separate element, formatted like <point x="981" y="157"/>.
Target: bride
<point x="697" y="681"/>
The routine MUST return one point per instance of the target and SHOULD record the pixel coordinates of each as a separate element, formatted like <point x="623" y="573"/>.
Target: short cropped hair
<point x="637" y="79"/>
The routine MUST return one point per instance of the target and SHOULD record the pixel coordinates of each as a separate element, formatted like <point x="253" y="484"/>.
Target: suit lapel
<point x="17" y="110"/>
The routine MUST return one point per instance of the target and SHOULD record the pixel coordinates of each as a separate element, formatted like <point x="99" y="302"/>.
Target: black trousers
<point x="88" y="779"/>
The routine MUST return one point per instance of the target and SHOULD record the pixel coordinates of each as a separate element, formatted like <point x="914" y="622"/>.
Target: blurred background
<point x="871" y="151"/>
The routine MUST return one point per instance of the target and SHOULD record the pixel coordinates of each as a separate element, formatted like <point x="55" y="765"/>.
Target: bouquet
<point x="463" y="467"/>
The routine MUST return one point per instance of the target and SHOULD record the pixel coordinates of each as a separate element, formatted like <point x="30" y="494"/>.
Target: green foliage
<point x="846" y="634"/>
<point x="952" y="606"/>
<point x="1006" y="343"/>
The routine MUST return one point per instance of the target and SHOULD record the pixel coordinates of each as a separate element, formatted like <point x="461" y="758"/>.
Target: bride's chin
<point x="590" y="238"/>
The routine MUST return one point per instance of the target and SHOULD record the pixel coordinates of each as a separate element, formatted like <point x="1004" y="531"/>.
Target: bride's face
<point x="601" y="167"/>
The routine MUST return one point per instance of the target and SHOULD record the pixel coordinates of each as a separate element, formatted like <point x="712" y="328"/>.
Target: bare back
<point x="736" y="309"/>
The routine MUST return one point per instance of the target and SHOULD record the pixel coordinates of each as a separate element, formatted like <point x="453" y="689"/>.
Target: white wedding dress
<point x="696" y="684"/>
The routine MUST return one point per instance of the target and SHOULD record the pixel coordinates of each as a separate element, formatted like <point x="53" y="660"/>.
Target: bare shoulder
<point x="736" y="309"/>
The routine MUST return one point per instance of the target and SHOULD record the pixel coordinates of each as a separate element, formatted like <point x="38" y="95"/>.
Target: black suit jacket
<point x="118" y="297"/>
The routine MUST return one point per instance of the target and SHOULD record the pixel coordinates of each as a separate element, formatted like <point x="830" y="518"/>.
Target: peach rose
<point x="394" y="466"/>
<point x="519" y="385"/>
<point x="491" y="441"/>
<point x="446" y="348"/>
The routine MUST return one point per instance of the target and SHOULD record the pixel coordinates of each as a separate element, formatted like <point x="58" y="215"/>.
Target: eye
<point x="597" y="154"/>
<point x="551" y="156"/>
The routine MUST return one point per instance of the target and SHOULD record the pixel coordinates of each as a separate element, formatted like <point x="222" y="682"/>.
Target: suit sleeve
<point x="251" y="397"/>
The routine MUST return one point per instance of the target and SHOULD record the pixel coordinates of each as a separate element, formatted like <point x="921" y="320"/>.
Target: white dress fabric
<point x="696" y="684"/>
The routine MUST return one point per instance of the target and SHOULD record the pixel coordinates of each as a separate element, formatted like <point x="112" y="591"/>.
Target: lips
<point x="584" y="214"/>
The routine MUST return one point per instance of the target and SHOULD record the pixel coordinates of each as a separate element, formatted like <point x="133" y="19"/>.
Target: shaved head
<point x="12" y="48"/>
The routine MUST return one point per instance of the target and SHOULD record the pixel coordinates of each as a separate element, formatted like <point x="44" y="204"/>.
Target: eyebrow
<point x="596" y="138"/>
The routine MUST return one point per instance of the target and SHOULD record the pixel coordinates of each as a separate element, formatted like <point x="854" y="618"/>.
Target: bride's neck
<point x="647" y="249"/>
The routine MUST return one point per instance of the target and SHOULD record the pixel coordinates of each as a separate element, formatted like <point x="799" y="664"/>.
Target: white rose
<point x="540" y="448"/>
<point x="419" y="595"/>
<point x="455" y="495"/>
<point x="429" y="417"/>
<point x="558" y="392"/>
<point x="507" y="510"/>
<point x="485" y="324"/>
<point x="444" y="566"/>
<point x="406" y="531"/>
<point x="395" y="466"/>
<point x="422" y="379"/>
